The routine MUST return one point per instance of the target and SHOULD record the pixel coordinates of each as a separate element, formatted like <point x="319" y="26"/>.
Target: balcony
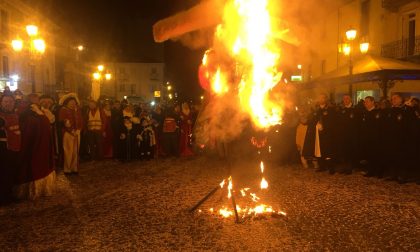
<point x="402" y="49"/>
<point x="393" y="5"/>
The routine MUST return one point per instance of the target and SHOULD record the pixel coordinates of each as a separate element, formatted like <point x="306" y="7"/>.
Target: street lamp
<point x="99" y="77"/>
<point x="39" y="45"/>
<point x="351" y="34"/>
<point x="364" y="47"/>
<point x="80" y="48"/>
<point x="32" y="30"/>
<point x="96" y="76"/>
<point x="29" y="42"/>
<point x="347" y="50"/>
<point x="17" y="45"/>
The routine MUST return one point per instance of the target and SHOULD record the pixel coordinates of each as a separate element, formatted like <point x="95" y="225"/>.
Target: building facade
<point x="389" y="26"/>
<point x="27" y="69"/>
<point x="127" y="79"/>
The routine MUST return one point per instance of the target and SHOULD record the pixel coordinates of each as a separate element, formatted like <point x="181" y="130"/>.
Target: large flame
<point x="247" y="35"/>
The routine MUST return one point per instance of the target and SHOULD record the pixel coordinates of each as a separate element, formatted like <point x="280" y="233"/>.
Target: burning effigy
<point x="241" y="72"/>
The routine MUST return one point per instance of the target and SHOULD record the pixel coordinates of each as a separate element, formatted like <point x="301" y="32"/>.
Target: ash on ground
<point x="144" y="206"/>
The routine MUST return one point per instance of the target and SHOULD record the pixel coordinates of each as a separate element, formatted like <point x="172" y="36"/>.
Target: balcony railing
<point x="401" y="49"/>
<point x="393" y="5"/>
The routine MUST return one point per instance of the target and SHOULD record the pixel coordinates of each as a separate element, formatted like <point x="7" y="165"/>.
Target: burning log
<point x="235" y="209"/>
<point x="206" y="14"/>
<point x="204" y="199"/>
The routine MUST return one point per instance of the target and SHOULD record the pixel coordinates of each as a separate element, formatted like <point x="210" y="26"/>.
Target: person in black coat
<point x="370" y="138"/>
<point x="116" y="122"/>
<point x="325" y="115"/>
<point x="127" y="143"/>
<point x="347" y="118"/>
<point x="398" y="120"/>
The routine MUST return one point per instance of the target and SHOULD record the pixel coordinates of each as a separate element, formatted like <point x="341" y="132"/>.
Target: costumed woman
<point x="36" y="177"/>
<point x="70" y="118"/>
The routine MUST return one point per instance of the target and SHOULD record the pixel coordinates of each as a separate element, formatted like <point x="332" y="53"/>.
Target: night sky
<point x="122" y="31"/>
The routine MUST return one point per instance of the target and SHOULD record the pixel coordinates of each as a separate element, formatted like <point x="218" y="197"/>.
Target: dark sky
<point x="122" y="31"/>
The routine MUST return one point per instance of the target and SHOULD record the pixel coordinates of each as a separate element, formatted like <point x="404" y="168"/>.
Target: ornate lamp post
<point x="99" y="77"/>
<point x="33" y="44"/>
<point x="347" y="49"/>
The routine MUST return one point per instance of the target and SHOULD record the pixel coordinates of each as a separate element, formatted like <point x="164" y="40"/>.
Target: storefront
<point x="372" y="76"/>
<point x="11" y="82"/>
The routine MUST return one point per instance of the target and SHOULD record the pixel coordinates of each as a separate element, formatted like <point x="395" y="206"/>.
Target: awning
<point x="371" y="68"/>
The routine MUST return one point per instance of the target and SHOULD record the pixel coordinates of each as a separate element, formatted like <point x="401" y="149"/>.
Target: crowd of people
<point x="39" y="135"/>
<point x="381" y="138"/>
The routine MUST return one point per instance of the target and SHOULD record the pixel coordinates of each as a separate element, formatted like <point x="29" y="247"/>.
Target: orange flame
<point x="248" y="35"/>
<point x="219" y="85"/>
<point x="230" y="186"/>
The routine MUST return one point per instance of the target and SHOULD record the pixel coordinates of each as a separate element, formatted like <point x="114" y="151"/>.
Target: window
<point x="364" y="22"/>
<point x="133" y="88"/>
<point x="4" y="24"/>
<point x="5" y="62"/>
<point x="154" y="74"/>
<point x="361" y="94"/>
<point x="122" y="87"/>
<point x="411" y="33"/>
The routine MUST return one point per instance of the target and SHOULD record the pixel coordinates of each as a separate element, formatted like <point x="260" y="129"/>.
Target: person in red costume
<point x="37" y="174"/>
<point x="108" y="138"/>
<point x="186" y="131"/>
<point x="10" y="144"/>
<point x="71" y="119"/>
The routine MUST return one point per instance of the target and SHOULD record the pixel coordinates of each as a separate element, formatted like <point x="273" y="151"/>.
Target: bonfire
<point x="243" y="65"/>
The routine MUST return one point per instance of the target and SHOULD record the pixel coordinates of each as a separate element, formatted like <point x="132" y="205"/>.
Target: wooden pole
<point x="235" y="209"/>
<point x="204" y="199"/>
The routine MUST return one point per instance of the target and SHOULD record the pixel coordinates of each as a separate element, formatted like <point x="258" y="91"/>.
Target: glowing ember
<point x="255" y="198"/>
<point x="222" y="184"/>
<point x="225" y="212"/>
<point x="259" y="143"/>
<point x="250" y="197"/>
<point x="243" y="191"/>
<point x="263" y="184"/>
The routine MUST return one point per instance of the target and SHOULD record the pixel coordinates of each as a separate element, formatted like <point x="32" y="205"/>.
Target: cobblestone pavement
<point x="143" y="206"/>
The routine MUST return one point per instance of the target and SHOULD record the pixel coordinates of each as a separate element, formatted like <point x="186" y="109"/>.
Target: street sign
<point x="157" y="93"/>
